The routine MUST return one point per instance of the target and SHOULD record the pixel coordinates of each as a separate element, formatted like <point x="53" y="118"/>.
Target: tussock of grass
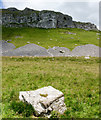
<point x="21" y="108"/>
<point x="77" y="78"/>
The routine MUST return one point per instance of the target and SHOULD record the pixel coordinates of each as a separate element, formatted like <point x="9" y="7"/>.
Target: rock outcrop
<point x="44" y="100"/>
<point x="13" y="17"/>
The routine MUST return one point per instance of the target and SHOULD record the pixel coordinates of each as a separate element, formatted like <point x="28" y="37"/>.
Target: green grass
<point x="50" y="37"/>
<point x="77" y="78"/>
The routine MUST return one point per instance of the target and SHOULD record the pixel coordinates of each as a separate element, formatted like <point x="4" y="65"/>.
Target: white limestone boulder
<point x="44" y="100"/>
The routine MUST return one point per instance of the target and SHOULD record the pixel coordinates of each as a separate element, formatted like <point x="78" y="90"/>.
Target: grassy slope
<point x="50" y="37"/>
<point x="77" y="78"/>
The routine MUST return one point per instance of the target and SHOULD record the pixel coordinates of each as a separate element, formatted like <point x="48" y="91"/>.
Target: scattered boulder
<point x="18" y="36"/>
<point x="62" y="51"/>
<point x="87" y="57"/>
<point x="98" y="34"/>
<point x="8" y="40"/>
<point x="71" y="33"/>
<point x="28" y="42"/>
<point x="72" y="37"/>
<point x="59" y="51"/>
<point x="44" y="100"/>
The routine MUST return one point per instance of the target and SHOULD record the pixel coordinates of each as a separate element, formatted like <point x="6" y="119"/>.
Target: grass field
<point x="77" y="78"/>
<point x="50" y="37"/>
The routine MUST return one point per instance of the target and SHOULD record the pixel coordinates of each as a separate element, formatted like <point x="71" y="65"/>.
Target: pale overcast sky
<point x="80" y="10"/>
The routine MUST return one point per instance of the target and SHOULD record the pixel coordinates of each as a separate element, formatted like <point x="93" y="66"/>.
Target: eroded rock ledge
<point x="13" y="17"/>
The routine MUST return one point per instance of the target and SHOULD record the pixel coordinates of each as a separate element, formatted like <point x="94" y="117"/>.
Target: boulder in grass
<point x="44" y="100"/>
<point x="59" y="51"/>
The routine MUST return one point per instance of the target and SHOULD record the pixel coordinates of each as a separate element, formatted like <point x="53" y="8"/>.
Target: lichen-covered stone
<point x="44" y="100"/>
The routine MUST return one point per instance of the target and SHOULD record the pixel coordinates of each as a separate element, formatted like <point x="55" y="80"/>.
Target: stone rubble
<point x="8" y="49"/>
<point x="27" y="50"/>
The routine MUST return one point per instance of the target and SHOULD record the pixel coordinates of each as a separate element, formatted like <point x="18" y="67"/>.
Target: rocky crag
<point x="13" y="17"/>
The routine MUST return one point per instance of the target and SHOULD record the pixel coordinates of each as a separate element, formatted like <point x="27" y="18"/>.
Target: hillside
<point x="68" y="37"/>
<point x="31" y="31"/>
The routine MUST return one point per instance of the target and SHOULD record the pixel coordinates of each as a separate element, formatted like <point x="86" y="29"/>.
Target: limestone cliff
<point x="13" y="17"/>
